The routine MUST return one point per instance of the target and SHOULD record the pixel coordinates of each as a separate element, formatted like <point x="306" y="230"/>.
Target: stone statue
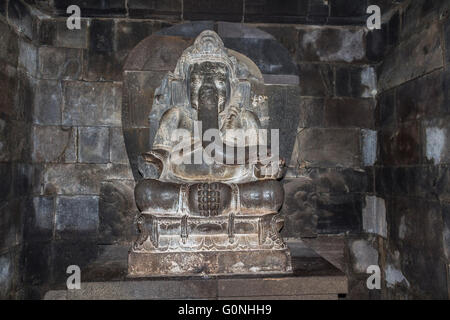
<point x="210" y="212"/>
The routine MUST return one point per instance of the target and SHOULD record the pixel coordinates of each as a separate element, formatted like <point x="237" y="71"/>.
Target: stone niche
<point x="240" y="233"/>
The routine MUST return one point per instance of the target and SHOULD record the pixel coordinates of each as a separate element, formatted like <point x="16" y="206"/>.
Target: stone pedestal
<point x="312" y="277"/>
<point x="211" y="263"/>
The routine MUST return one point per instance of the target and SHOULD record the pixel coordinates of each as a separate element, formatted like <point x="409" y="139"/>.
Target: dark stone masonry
<point x="363" y="118"/>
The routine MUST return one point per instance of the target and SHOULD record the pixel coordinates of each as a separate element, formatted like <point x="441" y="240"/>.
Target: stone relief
<point x="208" y="217"/>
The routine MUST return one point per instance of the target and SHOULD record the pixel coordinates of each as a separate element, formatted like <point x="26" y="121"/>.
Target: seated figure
<point x="208" y="203"/>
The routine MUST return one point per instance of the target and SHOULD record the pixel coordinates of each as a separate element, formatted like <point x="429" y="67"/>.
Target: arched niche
<point x="156" y="55"/>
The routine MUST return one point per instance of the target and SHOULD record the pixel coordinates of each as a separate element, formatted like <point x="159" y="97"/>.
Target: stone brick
<point x="69" y="179"/>
<point x="447" y="41"/>
<point x="269" y="11"/>
<point x="54" y="144"/>
<point x="385" y="113"/>
<point x="27" y="57"/>
<point x="350" y="113"/>
<point x="93" y="145"/>
<point x="8" y="89"/>
<point x="77" y="251"/>
<point x="347" y="8"/>
<point x="47" y="102"/>
<point x="419" y="55"/>
<point x="14" y="141"/>
<point x="436" y="140"/>
<point x="384" y="181"/>
<point x="91" y="103"/>
<point x="129" y="33"/>
<point x="118" y="152"/>
<point x="316" y="80"/>
<point x="376" y="43"/>
<point x="282" y="101"/>
<point x="157" y="53"/>
<point x="268" y="54"/>
<point x="330" y="44"/>
<point x="363" y="253"/>
<point x="76" y="216"/>
<point x="139" y="89"/>
<point x="11" y="224"/>
<point x="318" y="12"/>
<point x="9" y="46"/>
<point x="155" y="9"/>
<point x="446" y="219"/>
<point x="400" y="146"/>
<point x="25" y="96"/>
<point x="311" y="112"/>
<point x="374" y="216"/>
<point x="339" y="213"/>
<point x="231" y="10"/>
<point x="327" y="148"/>
<point x="117" y="211"/>
<point x="369" y="143"/>
<point x="54" y="32"/>
<point x="287" y="36"/>
<point x="416" y="227"/>
<point x="39" y="219"/>
<point x="356" y="82"/>
<point x="92" y="8"/>
<point x="136" y="142"/>
<point x="6" y="174"/>
<point x="421" y="98"/>
<point x="59" y="63"/>
<point x="21" y="17"/>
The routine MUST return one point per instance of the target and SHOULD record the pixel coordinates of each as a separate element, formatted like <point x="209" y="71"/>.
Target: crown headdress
<point x="207" y="47"/>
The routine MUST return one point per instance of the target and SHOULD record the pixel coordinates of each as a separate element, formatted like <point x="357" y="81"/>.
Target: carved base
<point x="211" y="263"/>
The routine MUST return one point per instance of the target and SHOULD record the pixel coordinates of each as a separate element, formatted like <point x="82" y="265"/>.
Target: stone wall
<point x="412" y="171"/>
<point x="85" y="111"/>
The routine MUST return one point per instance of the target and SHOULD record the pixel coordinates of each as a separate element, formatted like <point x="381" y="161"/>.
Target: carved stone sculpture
<point x="208" y="217"/>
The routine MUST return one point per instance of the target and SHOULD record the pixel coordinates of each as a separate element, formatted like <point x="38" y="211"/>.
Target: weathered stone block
<point x="39" y="219"/>
<point x="129" y="33"/>
<point x="11" y="224"/>
<point x="436" y="140"/>
<point x="385" y="113"/>
<point x="79" y="178"/>
<point x="21" y="17"/>
<point x="139" y="89"/>
<point x="54" y="144"/>
<point x="59" y="63"/>
<point x="283" y="100"/>
<point x="376" y="42"/>
<point x="47" y="102"/>
<point x="311" y="112"/>
<point x="316" y="80"/>
<point x="118" y="152"/>
<point x="231" y="10"/>
<point x="447" y="41"/>
<point x="54" y="32"/>
<point x="268" y="54"/>
<point x="27" y="57"/>
<point x="286" y="35"/>
<point x="416" y="227"/>
<point x="350" y="113"/>
<point x="369" y="147"/>
<point x="327" y="148"/>
<point x="330" y="44"/>
<point x="92" y="8"/>
<point x="157" y="53"/>
<point x="421" y="98"/>
<point x="339" y="213"/>
<point x="14" y="141"/>
<point x="76" y="216"/>
<point x="400" y="146"/>
<point x="374" y="216"/>
<point x="8" y="89"/>
<point x="269" y="11"/>
<point x="136" y="143"/>
<point x="91" y="103"/>
<point x="93" y="146"/>
<point x="25" y="96"/>
<point x="155" y="9"/>
<point x="356" y="82"/>
<point x="7" y="279"/>
<point x="9" y="46"/>
<point x="117" y="210"/>
<point x="347" y="8"/>
<point x="418" y="55"/>
<point x="362" y="253"/>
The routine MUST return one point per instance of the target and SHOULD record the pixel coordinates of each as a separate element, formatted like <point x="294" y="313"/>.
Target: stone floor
<point x="313" y="277"/>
